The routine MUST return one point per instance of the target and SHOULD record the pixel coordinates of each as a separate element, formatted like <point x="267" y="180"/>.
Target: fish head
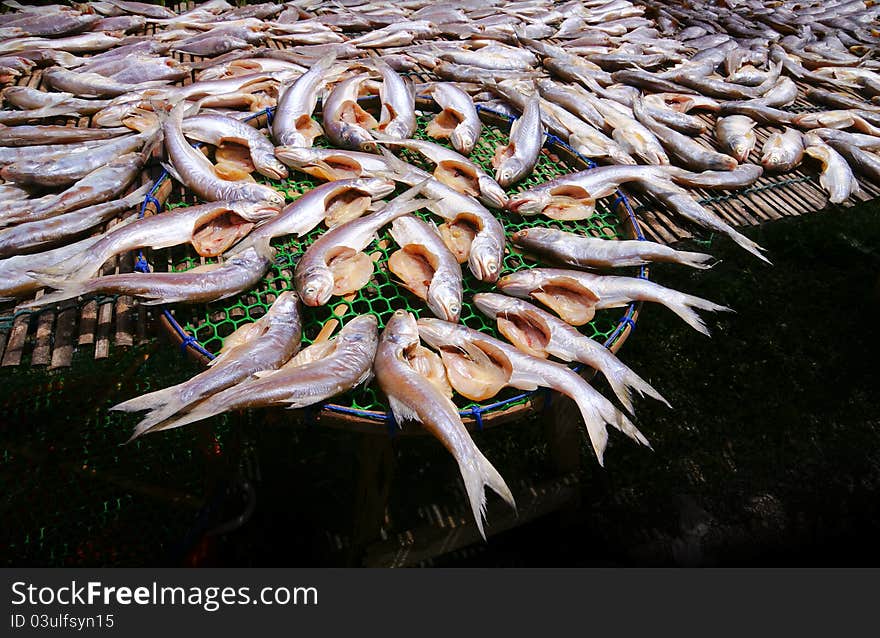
<point x="375" y="187"/>
<point x="492" y="191"/>
<point x="268" y="165"/>
<point x="486" y="258"/>
<point x="530" y="202"/>
<point x="509" y="171"/>
<point x="315" y="285"/>
<point x="265" y="195"/>
<point x="520" y="283"/>
<point x="286" y="306"/>
<point x="532" y="237"/>
<point x="463" y="139"/>
<point x="401" y="329"/>
<point x="491" y="303"/>
<point x="362" y="331"/>
<point x="445" y="299"/>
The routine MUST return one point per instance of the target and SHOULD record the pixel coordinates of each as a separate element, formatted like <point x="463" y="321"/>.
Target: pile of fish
<point x="628" y="85"/>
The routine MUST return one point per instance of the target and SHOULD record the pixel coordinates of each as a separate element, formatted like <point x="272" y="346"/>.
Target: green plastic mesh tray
<point x="203" y="328"/>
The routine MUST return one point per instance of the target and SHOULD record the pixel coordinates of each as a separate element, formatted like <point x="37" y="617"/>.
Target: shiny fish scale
<point x="211" y="324"/>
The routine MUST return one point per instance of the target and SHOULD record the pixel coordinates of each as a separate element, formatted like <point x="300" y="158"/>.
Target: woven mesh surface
<point x="211" y="324"/>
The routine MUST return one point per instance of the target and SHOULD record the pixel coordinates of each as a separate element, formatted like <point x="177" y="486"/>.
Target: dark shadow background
<point x="771" y="455"/>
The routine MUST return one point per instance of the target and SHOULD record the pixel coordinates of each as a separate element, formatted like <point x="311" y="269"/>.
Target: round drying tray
<point x="200" y="330"/>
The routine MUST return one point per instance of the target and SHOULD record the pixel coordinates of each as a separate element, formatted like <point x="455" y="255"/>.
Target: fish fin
<point x="201" y="411"/>
<point x="242" y="335"/>
<point x="69" y="290"/>
<point x="695" y="260"/>
<point x="401" y="411"/>
<point x="619" y="420"/>
<point x="477" y="472"/>
<point x="145" y="401"/>
<point x="169" y="168"/>
<point x="748" y="244"/>
<point x="156" y="416"/>
<point x="70" y="269"/>
<point x="684" y="308"/>
<point x="398" y="170"/>
<point x="623" y="381"/>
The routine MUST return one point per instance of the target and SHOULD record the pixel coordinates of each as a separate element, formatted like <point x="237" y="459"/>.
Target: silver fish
<point x="203" y="284"/>
<point x="262" y="345"/>
<point x="195" y="171"/>
<point x="458" y="119"/>
<point x="592" y="252"/>
<point x="575" y="296"/>
<point x="27" y="98"/>
<point x="52" y="134"/>
<point x="86" y="84"/>
<point x="29" y="236"/>
<point x="334" y="263"/>
<point x="516" y="160"/>
<point x="736" y="135"/>
<point x="217" y="129"/>
<point x="334" y="203"/>
<point x="414" y="397"/>
<point x="292" y="124"/>
<point x="426" y="267"/>
<point x="538" y="333"/>
<point x="210" y="228"/>
<point x="836" y="177"/>
<point x="346" y="124"/>
<point x="467" y="353"/>
<point x="574" y="196"/>
<point x="332" y="164"/>
<point x="64" y="171"/>
<point x="317" y="373"/>
<point x="456" y="171"/>
<point x="398" y="115"/>
<point x="783" y="151"/>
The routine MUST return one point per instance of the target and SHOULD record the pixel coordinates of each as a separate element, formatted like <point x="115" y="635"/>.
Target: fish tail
<point x="397" y="168"/>
<point x="73" y="268"/>
<point x="477" y="473"/>
<point x="149" y="401"/>
<point x="619" y="420"/>
<point x="156" y="416"/>
<point x="67" y="290"/>
<point x="597" y="412"/>
<point x="593" y="421"/>
<point x="202" y="411"/>
<point x="694" y="260"/>
<point x="747" y="244"/>
<point x="683" y="305"/>
<point x="623" y="381"/>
